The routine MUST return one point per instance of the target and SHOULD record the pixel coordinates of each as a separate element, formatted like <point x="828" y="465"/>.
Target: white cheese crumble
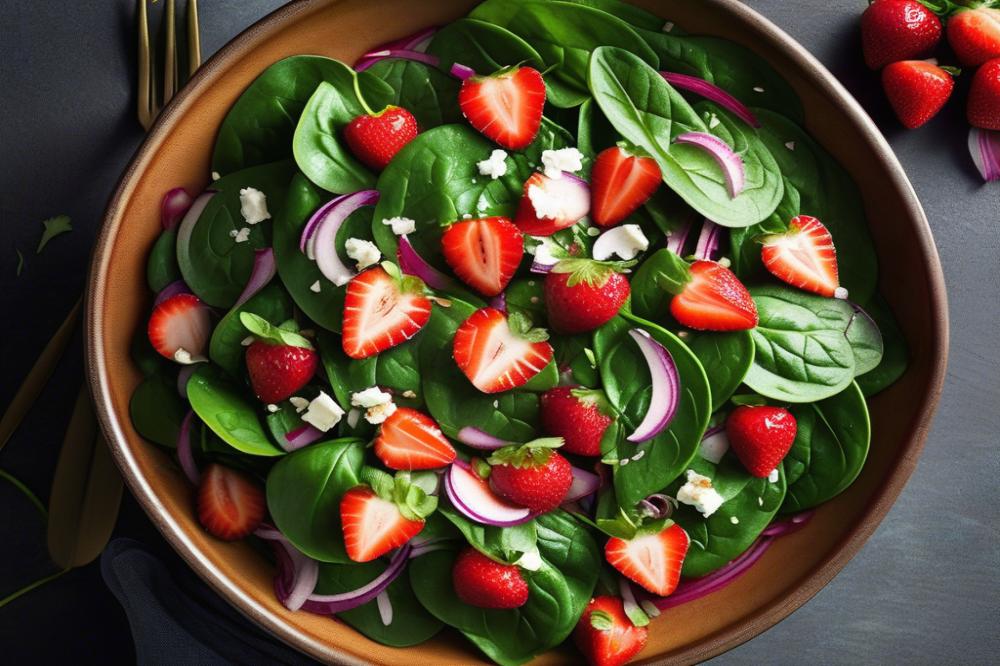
<point x="699" y="493"/>
<point x="364" y="252"/>
<point x="401" y="225"/>
<point x="545" y="252"/>
<point x="184" y="357"/>
<point x="495" y="166"/>
<point x="409" y="394"/>
<point x="273" y="408"/>
<point x="253" y="205"/>
<point x="300" y="404"/>
<point x="378" y="404"/>
<point x="724" y="262"/>
<point x="241" y="236"/>
<point x="760" y="501"/>
<point x="626" y="241"/>
<point x="247" y="341"/>
<point x="216" y="175"/>
<point x="840" y="293"/>
<point x="563" y="159"/>
<point x="790" y="145"/>
<point x="734" y="520"/>
<point x="323" y="412"/>
<point x="713" y="122"/>
<point x="315" y="287"/>
<point x="773" y="476"/>
<point x="532" y="560"/>
<point x="758" y="89"/>
<point x="668" y="26"/>
<point x="545" y="204"/>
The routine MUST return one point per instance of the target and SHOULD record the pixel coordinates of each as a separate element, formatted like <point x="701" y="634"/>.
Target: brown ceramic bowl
<point x="176" y="153"/>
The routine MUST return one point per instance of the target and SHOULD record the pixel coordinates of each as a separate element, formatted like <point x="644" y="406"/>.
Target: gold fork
<point x="149" y="108"/>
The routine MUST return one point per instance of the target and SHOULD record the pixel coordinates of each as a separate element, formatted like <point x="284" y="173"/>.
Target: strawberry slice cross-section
<point x="373" y="525"/>
<point x="411" y="440"/>
<point x="484" y="253"/>
<point x="803" y="256"/>
<point x="382" y="311"/>
<point x="506" y="107"/>
<point x="497" y="353"/>
<point x="652" y="560"/>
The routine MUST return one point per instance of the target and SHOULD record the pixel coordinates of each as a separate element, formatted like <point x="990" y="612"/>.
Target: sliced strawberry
<point x="551" y="204"/>
<point x="481" y="582"/>
<point x="412" y="440"/>
<point x="180" y="328"/>
<point x="373" y="526"/>
<point x="230" y="504"/>
<point x="803" y="256"/>
<point x="650" y="560"/>
<point x="484" y="253"/>
<point x="714" y="300"/>
<point x="619" y="184"/>
<point x="505" y="107"/>
<point x="382" y="311"/>
<point x="497" y="355"/>
<point x="606" y="636"/>
<point x="375" y="139"/>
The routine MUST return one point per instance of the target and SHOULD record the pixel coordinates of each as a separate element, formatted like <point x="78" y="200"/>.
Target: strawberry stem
<point x="361" y="98"/>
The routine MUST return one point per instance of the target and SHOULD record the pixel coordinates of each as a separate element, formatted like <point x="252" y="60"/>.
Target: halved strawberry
<point x="498" y="354"/>
<point x="506" y="107"/>
<point x="484" y="253"/>
<point x="551" y="204"/>
<point x="180" y="328"/>
<point x="382" y="311"/>
<point x="230" y="504"/>
<point x="650" y="560"/>
<point x="803" y="256"/>
<point x="714" y="300"/>
<point x="619" y="184"/>
<point x="412" y="440"/>
<point x="605" y="634"/>
<point x="373" y="526"/>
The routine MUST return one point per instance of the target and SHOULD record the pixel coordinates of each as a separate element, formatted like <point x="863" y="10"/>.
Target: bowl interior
<point x="796" y="567"/>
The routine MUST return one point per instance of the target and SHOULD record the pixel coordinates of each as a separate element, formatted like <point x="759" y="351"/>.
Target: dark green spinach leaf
<point x="157" y="410"/>
<point x="426" y="92"/>
<point x="161" y="268"/>
<point x="229" y="412"/>
<point x="726" y="358"/>
<point x="896" y="353"/>
<point x="483" y="46"/>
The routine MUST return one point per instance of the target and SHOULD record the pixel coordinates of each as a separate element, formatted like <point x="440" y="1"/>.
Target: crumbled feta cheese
<point x="495" y="166"/>
<point x="569" y="160"/>
<point x="714" y="447"/>
<point x="699" y="493"/>
<point x="760" y="501"/>
<point x="724" y="262"/>
<point x="790" y="145"/>
<point x="773" y="476"/>
<point x="298" y="403"/>
<point x="241" y="236"/>
<point x="379" y="413"/>
<point x="378" y="404"/>
<point x="840" y="293"/>
<point x="184" y="357"/>
<point x="496" y="404"/>
<point x="734" y="520"/>
<point x="682" y="334"/>
<point x="545" y="252"/>
<point x="623" y="462"/>
<point x="253" y="205"/>
<point x="247" y="341"/>
<point x="638" y="456"/>
<point x="758" y="89"/>
<point x="216" y="175"/>
<point x="273" y="408"/>
<point x="532" y="560"/>
<point x="714" y="121"/>
<point x="545" y="205"/>
<point x="534" y="299"/>
<point x="315" y="287"/>
<point x="593" y="231"/>
<point x="401" y="225"/>
<point x="409" y="394"/>
<point x="668" y="26"/>
<point x="353" y="416"/>
<point x="362" y="251"/>
<point x="626" y="241"/>
<point x="323" y="412"/>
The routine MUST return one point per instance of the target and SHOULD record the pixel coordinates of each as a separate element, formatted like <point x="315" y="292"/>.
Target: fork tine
<point x="170" y="56"/>
<point x="145" y="110"/>
<point x="194" y="38"/>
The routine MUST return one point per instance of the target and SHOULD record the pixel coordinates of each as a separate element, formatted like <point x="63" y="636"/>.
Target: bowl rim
<point x="731" y="636"/>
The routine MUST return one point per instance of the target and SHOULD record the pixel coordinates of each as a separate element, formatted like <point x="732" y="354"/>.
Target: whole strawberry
<point x="893" y="30"/>
<point x="376" y="138"/>
<point x="532" y="475"/>
<point x="983" y="110"/>
<point x="974" y="35"/>
<point x="279" y="361"/>
<point x="481" y="582"/>
<point x="606" y="636"/>
<point x="916" y="90"/>
<point x="581" y="295"/>
<point x="760" y="436"/>
<point x="578" y="415"/>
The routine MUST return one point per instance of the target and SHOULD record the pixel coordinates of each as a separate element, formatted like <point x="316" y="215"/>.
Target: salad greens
<point x="314" y="450"/>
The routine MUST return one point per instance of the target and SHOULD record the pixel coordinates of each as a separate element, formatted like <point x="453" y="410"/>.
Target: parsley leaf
<point x="54" y="226"/>
<point x="20" y="262"/>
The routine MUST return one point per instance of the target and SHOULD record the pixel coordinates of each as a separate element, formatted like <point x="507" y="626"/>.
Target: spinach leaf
<point x="866" y="341"/>
<point x="316" y="144"/>
<point x="258" y="128"/>
<point x="732" y="67"/>
<point x="564" y="34"/>
<point x="750" y="504"/>
<point x="558" y="593"/>
<point x="836" y="436"/>
<point x="411" y="624"/>
<point x="648" y="467"/>
<point x="827" y="192"/>
<point x="213" y="264"/>
<point x="304" y="491"/>
<point x="396" y="368"/>
<point x="426" y="92"/>
<point x="503" y="544"/>
<point x="226" y="348"/>
<point x="802" y="353"/>
<point x="434" y="180"/>
<point x="650" y="298"/>
<point x="157" y="410"/>
<point x="574" y="352"/>
<point x="896" y="353"/>
<point x="726" y="358"/>
<point x="649" y="113"/>
<point x="483" y="46"/>
<point x="634" y="16"/>
<point x="228" y="412"/>
<point x="161" y="268"/>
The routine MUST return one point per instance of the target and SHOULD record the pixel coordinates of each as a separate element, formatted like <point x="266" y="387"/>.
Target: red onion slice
<point x="295" y="589"/>
<point x="984" y="146"/>
<point x="474" y="498"/>
<point x="584" y="483"/>
<point x="175" y="204"/>
<point x="678" y="238"/>
<point x="699" y="587"/>
<point x="183" y="377"/>
<point x="714" y="444"/>
<point x="712" y="93"/>
<point x="499" y="302"/>
<point x="384" y="607"/>
<point x="190" y="219"/>
<point x="185" y="455"/>
<point x="401" y="54"/>
<point x="412" y="263"/>
<point x="304" y="436"/>
<point x="461" y="72"/>
<point x="264" y="269"/>
<point x="708" y="241"/>
<point x="328" y="604"/>
<point x="478" y="439"/>
<point x="319" y="237"/>
<point x="171" y="290"/>
<point x="793" y="524"/>
<point x="730" y="163"/>
<point x="416" y="42"/>
<point x="666" y="387"/>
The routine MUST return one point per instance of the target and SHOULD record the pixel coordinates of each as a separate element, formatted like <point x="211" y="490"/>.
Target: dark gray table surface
<point x="923" y="590"/>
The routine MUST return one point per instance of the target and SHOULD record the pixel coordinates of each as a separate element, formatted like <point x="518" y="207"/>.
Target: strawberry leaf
<point x="278" y="335"/>
<point x="412" y="500"/>
<point x="593" y="273"/>
<point x="532" y="454"/>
